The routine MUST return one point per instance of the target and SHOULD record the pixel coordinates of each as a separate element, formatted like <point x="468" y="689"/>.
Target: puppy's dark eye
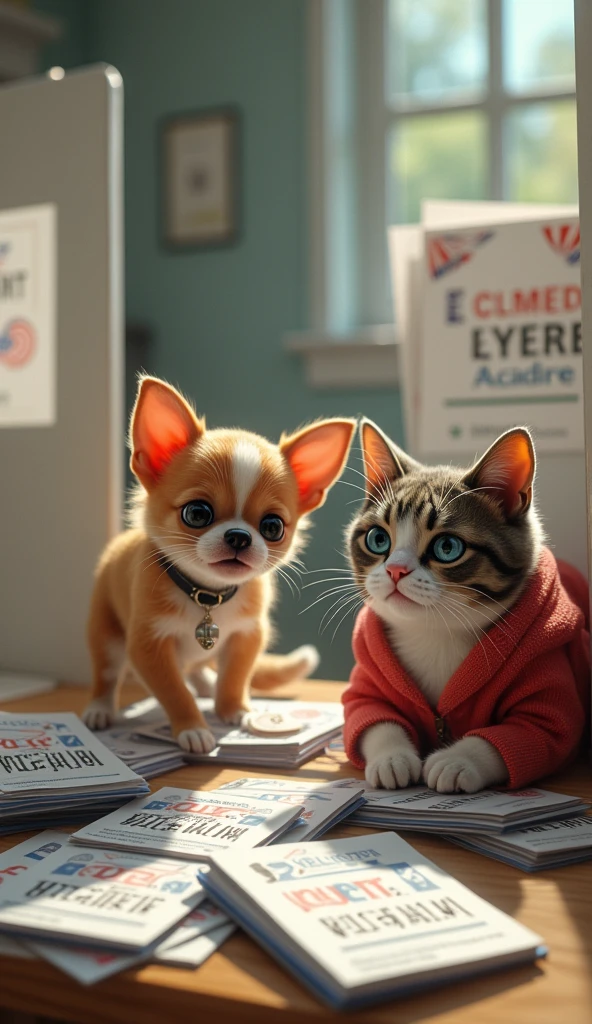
<point x="271" y="528"/>
<point x="197" y="514"/>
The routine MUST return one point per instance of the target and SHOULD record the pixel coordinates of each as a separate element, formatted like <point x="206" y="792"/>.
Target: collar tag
<point x="206" y="598"/>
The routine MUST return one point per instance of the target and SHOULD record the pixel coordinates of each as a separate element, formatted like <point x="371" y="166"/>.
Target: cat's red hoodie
<point x="526" y="691"/>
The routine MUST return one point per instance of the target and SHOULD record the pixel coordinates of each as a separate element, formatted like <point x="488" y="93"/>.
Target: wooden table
<point x="241" y="983"/>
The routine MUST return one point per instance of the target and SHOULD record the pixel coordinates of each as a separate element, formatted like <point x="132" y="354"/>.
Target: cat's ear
<point x="506" y="471"/>
<point x="384" y="461"/>
<point x="162" y="424"/>
<point x="317" y="456"/>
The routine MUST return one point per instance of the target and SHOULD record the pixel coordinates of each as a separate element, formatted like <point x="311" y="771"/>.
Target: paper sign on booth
<point x="27" y="316"/>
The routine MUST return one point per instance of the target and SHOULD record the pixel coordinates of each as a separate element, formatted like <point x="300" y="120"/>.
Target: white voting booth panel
<point x="583" y="29"/>
<point x="560" y="483"/>
<point x="61" y="360"/>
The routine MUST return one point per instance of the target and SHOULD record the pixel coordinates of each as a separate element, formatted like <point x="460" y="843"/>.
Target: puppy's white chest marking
<point x="246" y="467"/>
<point x="229" y="617"/>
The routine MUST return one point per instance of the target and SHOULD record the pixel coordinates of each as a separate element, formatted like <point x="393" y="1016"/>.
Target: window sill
<point x="365" y="358"/>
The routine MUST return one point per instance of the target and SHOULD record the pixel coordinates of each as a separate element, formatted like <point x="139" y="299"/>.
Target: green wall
<point x="219" y="315"/>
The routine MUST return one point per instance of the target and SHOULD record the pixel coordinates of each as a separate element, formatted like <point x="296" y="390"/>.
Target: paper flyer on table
<point x="189" y="824"/>
<point x="184" y="946"/>
<point x="324" y="803"/>
<point x="21" y="858"/>
<point x="493" y="810"/>
<point x="102" y="898"/>
<point x="49" y="751"/>
<point x="363" y="917"/>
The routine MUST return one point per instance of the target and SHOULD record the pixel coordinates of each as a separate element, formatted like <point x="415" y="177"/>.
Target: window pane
<point x="538" y="44"/>
<point x="437" y="49"/>
<point x="541" y="148"/>
<point x="444" y="156"/>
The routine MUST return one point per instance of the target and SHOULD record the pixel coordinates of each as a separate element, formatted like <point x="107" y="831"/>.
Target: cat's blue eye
<point x="448" y="548"/>
<point x="197" y="514"/>
<point x="378" y="541"/>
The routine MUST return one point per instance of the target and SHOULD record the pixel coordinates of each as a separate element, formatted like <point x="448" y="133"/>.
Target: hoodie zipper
<point x="442" y="729"/>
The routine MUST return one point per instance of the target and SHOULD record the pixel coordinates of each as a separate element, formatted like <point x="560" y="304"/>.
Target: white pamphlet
<point x="18" y="859"/>
<point x="102" y="898"/>
<point x="189" y="824"/>
<point x="324" y="803"/>
<point x="490" y="810"/>
<point x="365" y="918"/>
<point x="44" y="752"/>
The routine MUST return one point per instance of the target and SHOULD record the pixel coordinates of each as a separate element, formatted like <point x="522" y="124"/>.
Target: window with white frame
<point x="480" y="102"/>
<point x="434" y="99"/>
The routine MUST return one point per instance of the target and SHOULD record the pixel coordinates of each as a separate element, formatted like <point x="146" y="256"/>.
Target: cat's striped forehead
<point x="429" y="496"/>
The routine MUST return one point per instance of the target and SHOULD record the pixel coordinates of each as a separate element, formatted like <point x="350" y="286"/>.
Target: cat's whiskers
<point x="340" y="603"/>
<point x="460" y="586"/>
<point x="347" y="587"/>
<point x="331" y="579"/>
<point x="469" y="627"/>
<point x="474" y="626"/>
<point x="350" y="605"/>
<point x="482" y="611"/>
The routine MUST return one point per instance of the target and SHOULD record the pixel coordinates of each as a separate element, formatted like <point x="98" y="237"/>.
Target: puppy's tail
<point x="275" y="669"/>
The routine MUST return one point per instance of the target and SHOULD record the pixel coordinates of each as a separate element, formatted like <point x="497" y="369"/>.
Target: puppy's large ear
<point x="317" y="456"/>
<point x="506" y="472"/>
<point x="384" y="461"/>
<point x="162" y="424"/>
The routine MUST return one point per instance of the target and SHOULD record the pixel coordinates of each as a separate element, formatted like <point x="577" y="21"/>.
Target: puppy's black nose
<point x="238" y="539"/>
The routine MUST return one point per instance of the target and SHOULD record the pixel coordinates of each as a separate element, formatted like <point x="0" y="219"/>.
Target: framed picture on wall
<point x="200" y="178"/>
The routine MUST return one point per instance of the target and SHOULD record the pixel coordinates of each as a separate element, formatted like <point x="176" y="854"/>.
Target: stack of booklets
<point x="318" y="724"/>
<point x="190" y="942"/>
<point x="54" y="771"/>
<point x="146" y="757"/>
<point x="489" y="811"/>
<point x="552" y="844"/>
<point x="361" y="920"/>
<point x="103" y="899"/>
<point x="189" y="824"/>
<point x="324" y="804"/>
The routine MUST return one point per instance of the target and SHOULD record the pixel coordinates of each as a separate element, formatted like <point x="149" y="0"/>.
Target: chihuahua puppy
<point x="216" y="512"/>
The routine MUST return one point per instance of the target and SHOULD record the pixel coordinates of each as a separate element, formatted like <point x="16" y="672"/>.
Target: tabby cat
<point x="440" y="554"/>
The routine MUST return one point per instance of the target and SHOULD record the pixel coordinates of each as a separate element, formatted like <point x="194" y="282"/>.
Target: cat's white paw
<point x="467" y="766"/>
<point x="393" y="771"/>
<point x="99" y="714"/>
<point x="196" y="741"/>
<point x="448" y="772"/>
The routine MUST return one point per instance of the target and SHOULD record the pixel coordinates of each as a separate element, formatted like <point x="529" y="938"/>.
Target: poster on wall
<point x="501" y="336"/>
<point x="28" y="316"/>
<point x="489" y="311"/>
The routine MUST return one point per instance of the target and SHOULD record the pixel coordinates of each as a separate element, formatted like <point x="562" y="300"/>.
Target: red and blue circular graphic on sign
<point x="17" y="344"/>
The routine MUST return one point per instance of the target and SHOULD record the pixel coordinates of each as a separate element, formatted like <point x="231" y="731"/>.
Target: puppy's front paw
<point x="231" y="715"/>
<point x="393" y="771"/>
<point x="196" y="741"/>
<point x="99" y="714"/>
<point x="450" y="772"/>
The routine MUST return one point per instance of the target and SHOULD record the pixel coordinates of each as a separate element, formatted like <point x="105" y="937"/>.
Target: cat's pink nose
<point x="397" y="571"/>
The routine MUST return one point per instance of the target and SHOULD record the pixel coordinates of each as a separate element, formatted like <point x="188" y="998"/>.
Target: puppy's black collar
<point x="201" y="595"/>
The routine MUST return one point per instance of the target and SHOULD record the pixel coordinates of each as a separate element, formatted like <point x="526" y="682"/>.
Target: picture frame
<point x="199" y="157"/>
